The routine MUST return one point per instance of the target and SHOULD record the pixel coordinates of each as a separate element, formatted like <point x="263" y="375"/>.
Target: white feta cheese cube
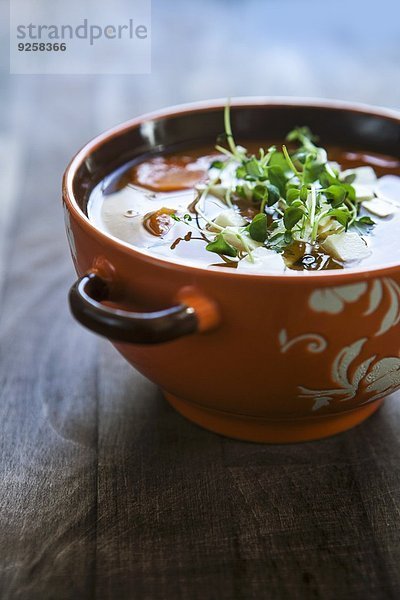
<point x="364" y="182"/>
<point x="239" y="239"/>
<point x="264" y="261"/>
<point x="229" y="218"/>
<point x="379" y="207"/>
<point x="346" y="246"/>
<point x="363" y="175"/>
<point x="218" y="191"/>
<point x="364" y="192"/>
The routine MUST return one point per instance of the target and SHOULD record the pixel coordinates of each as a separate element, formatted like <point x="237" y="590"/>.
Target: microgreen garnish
<point x="258" y="228"/>
<point x="292" y="216"/>
<point x="298" y="195"/>
<point x="363" y="225"/>
<point x="221" y="246"/>
<point x="217" y="164"/>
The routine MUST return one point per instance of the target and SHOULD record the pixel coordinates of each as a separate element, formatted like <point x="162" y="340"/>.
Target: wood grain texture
<point x="105" y="491"/>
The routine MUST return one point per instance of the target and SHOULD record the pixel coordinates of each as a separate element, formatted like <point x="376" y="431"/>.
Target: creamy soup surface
<point x="152" y="205"/>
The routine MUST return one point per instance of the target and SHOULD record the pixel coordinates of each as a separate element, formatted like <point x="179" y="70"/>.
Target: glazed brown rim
<point x="204" y="106"/>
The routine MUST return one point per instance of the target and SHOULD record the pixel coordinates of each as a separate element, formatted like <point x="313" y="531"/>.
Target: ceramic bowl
<point x="267" y="358"/>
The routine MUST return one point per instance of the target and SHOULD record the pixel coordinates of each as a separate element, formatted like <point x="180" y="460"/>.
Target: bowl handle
<point x="118" y="325"/>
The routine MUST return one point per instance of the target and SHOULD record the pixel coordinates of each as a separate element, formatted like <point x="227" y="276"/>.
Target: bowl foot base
<point x="273" y="431"/>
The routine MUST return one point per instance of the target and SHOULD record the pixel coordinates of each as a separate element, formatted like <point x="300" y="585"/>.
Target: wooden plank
<point x="184" y="513"/>
<point x="47" y="382"/>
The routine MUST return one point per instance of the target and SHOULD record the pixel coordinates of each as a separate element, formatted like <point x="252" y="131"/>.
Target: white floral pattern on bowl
<point x="380" y="379"/>
<point x="333" y="300"/>
<point x="375" y="378"/>
<point x="315" y="342"/>
<point x="376" y="294"/>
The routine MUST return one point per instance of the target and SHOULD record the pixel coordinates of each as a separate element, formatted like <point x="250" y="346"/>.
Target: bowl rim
<point x="333" y="276"/>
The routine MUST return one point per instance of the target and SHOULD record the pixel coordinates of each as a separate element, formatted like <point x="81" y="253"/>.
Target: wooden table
<point x="105" y="491"/>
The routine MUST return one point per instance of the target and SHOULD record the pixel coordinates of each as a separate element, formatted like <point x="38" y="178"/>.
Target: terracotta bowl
<point x="267" y="358"/>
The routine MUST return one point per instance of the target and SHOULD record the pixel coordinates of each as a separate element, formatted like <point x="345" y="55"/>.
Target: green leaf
<point x="351" y="192"/>
<point x="260" y="193"/>
<point x="239" y="190"/>
<point x="292" y="216"/>
<point x="278" y="241"/>
<point x="258" y="228"/>
<point x="298" y="203"/>
<point x="336" y="195"/>
<point x="350" y="178"/>
<point x="287" y="237"/>
<point x="363" y="225"/>
<point x="253" y="168"/>
<point x="217" y="164"/>
<point x="278" y="178"/>
<point x="273" y="194"/>
<point x="241" y="172"/>
<point x="220" y="246"/>
<point x="314" y="165"/>
<point x="292" y="194"/>
<point x="326" y="179"/>
<point x="342" y="216"/>
<point x="304" y="193"/>
<point x="278" y="160"/>
<point x="245" y="191"/>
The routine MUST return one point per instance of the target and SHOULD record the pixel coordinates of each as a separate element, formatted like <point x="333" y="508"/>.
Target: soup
<point x="257" y="208"/>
